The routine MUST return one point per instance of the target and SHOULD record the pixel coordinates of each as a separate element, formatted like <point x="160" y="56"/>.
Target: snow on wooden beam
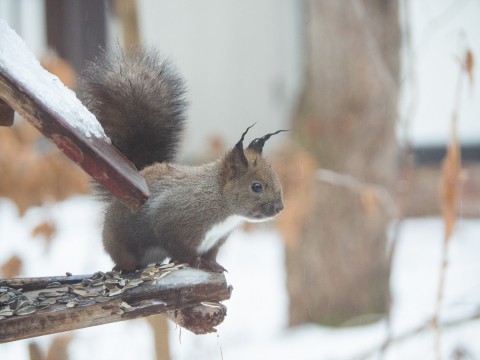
<point x="44" y="101"/>
<point x="31" y="307"/>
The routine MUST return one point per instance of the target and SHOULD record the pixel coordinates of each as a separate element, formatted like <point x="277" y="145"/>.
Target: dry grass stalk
<point x="449" y="194"/>
<point x="422" y="328"/>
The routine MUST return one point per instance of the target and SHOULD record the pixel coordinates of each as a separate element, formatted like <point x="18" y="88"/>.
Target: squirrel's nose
<point x="278" y="207"/>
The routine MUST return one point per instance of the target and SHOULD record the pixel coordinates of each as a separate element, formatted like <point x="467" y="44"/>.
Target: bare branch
<point x="357" y="187"/>
<point x="417" y="330"/>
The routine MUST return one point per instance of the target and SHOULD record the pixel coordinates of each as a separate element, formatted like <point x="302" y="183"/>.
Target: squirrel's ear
<point x="236" y="162"/>
<point x="257" y="144"/>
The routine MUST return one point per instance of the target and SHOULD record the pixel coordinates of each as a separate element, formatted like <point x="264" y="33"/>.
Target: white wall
<point x="27" y="18"/>
<point x="441" y="31"/>
<point x="241" y="60"/>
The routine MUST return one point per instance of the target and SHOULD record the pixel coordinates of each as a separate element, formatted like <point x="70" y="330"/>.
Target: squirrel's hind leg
<point x="154" y="254"/>
<point x="123" y="257"/>
<point x="208" y="261"/>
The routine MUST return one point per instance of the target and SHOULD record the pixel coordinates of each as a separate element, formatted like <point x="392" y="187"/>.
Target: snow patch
<point x="17" y="62"/>
<point x="186" y="276"/>
<point x="256" y="325"/>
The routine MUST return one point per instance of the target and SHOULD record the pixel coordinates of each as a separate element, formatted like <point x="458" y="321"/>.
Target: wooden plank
<point x="54" y="110"/>
<point x="189" y="297"/>
<point x="6" y="114"/>
<point x="37" y="283"/>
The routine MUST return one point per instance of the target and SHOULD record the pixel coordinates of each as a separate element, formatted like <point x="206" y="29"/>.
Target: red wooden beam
<point x="56" y="112"/>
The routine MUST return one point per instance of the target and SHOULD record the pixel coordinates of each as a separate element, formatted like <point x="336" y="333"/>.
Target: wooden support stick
<point x="6" y="114"/>
<point x="189" y="297"/>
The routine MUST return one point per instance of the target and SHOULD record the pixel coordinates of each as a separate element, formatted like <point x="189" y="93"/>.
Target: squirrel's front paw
<point x="209" y="265"/>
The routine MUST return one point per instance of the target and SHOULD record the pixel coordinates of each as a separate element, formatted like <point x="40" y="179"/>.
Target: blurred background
<point x="377" y="252"/>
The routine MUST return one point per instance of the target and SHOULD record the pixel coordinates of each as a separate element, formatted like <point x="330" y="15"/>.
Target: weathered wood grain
<point x="189" y="297"/>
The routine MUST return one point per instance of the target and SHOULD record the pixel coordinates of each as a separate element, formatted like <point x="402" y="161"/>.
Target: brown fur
<point x="186" y="202"/>
<point x="192" y="210"/>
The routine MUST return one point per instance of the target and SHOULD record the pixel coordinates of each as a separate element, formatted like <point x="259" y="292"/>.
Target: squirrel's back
<point x="139" y="100"/>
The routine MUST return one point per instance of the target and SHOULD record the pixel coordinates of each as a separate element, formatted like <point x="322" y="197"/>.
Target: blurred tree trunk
<point x="338" y="268"/>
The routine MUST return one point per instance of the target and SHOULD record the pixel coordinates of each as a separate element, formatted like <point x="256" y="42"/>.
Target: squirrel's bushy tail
<point x="139" y="100"/>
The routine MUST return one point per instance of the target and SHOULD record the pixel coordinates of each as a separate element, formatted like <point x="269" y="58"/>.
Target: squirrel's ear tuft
<point x="257" y="144"/>
<point x="235" y="161"/>
<point x="238" y="149"/>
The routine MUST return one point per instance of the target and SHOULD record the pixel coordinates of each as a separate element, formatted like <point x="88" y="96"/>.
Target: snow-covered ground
<point x="255" y="327"/>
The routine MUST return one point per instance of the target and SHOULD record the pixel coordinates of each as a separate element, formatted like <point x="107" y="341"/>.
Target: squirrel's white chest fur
<point x="218" y="231"/>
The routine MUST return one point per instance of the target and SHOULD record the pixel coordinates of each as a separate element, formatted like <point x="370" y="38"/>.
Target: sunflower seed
<point x="23" y="303"/>
<point x="6" y="311"/>
<point x="166" y="266"/>
<point x="163" y="274"/>
<point x="53" y="284"/>
<point x="133" y="283"/>
<point x="72" y="303"/>
<point x="182" y="265"/>
<point x="151" y="270"/>
<point x="117" y="311"/>
<point x="46" y="303"/>
<point x="110" y="286"/>
<point x="124" y="306"/>
<point x="211" y="304"/>
<point x="115" y="291"/>
<point x="66" y="298"/>
<point x="29" y="309"/>
<point x="80" y="292"/>
<point x="50" y="301"/>
<point x="4" y="297"/>
<point x="98" y="275"/>
<point x="111" y="281"/>
<point x="113" y="273"/>
<point x="101" y="299"/>
<point x="96" y="282"/>
<point x="85" y="293"/>
<point x="49" y="294"/>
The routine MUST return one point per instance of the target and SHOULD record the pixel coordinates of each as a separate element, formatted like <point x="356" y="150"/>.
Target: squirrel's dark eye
<point x="257" y="187"/>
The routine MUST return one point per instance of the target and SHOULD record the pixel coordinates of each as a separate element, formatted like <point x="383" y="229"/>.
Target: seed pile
<point x="98" y="288"/>
<point x="13" y="302"/>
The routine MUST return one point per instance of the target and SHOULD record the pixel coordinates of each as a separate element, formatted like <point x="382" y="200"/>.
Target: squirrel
<point x="139" y="99"/>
